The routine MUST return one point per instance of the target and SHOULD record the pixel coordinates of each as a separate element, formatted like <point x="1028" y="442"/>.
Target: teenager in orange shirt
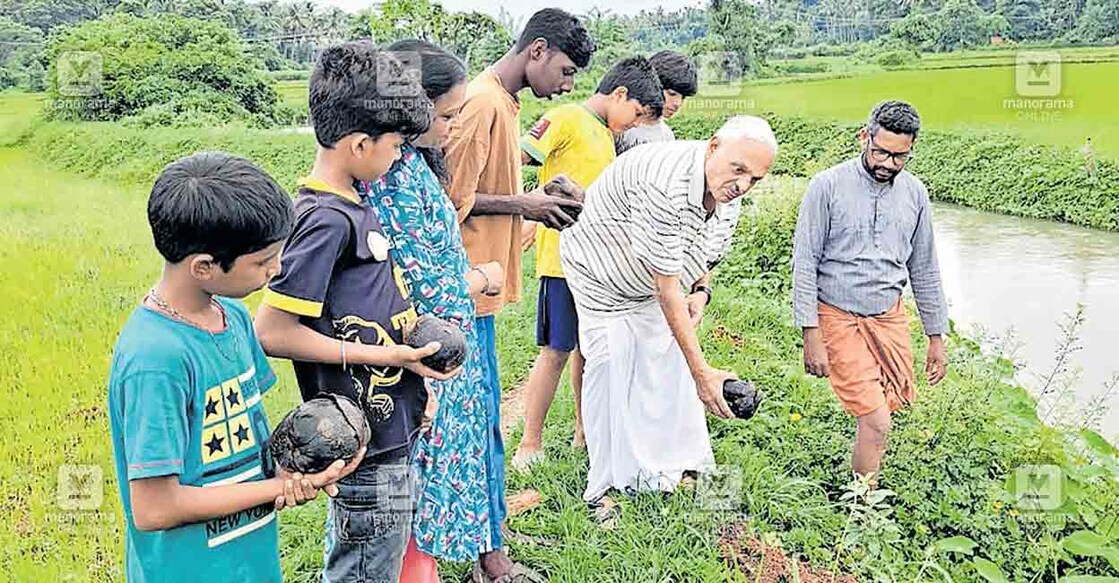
<point x="484" y="161"/>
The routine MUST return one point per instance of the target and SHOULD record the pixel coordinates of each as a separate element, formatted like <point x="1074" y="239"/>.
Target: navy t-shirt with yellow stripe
<point x="338" y="276"/>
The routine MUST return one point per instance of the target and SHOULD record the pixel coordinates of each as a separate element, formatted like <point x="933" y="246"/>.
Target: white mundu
<point x="644" y="423"/>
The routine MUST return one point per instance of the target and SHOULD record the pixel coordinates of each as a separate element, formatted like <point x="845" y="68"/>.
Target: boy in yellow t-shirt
<point x="577" y="141"/>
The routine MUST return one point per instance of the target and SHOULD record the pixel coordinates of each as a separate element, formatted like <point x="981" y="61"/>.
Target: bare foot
<point x="522" y="501"/>
<point x="526" y="457"/>
<point x="579" y="441"/>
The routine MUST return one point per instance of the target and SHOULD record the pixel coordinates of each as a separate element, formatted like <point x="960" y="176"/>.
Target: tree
<point x="475" y="37"/>
<point x="963" y="24"/>
<point x="611" y="41"/>
<point x="47" y="14"/>
<point x="918" y="30"/>
<point x="21" y="56"/>
<point x="1099" y="22"/>
<point x="958" y="24"/>
<point x="1025" y="17"/>
<point x="739" y="35"/>
<point x="165" y="67"/>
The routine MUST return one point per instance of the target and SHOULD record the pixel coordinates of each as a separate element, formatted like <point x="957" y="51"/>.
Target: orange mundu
<point x="870" y="359"/>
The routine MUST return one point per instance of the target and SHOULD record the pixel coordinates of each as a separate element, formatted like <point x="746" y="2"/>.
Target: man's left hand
<point x="936" y="365"/>
<point x="696" y="303"/>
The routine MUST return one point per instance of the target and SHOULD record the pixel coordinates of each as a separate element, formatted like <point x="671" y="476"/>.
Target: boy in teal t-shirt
<point x="188" y="427"/>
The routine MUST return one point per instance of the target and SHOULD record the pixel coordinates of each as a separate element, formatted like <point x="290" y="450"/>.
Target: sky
<point x="522" y="9"/>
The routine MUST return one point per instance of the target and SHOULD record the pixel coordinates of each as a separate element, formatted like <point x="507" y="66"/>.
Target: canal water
<point x="1025" y="278"/>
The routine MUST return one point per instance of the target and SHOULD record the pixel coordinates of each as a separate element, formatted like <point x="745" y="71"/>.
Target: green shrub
<point x="21" y="55"/>
<point x="795" y="68"/>
<point x="131" y="155"/>
<point x="8" y="79"/>
<point x="896" y="58"/>
<point x="182" y="67"/>
<point x="290" y="75"/>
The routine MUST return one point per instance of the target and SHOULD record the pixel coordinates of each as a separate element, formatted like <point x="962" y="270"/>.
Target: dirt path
<point x="512" y="409"/>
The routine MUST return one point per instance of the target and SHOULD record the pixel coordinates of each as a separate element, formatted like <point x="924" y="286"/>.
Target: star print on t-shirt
<point x="214" y="445"/>
<point x="242" y="434"/>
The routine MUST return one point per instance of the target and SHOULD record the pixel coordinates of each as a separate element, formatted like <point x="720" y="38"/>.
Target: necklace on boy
<point x="166" y="307"/>
<point x="170" y="311"/>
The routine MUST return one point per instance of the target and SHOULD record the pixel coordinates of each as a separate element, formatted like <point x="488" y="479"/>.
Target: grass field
<point x="846" y="66"/>
<point x="970" y="97"/>
<point x="17" y="110"/>
<point x="960" y="99"/>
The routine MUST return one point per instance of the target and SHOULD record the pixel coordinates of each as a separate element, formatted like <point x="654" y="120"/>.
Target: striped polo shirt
<point x="645" y="214"/>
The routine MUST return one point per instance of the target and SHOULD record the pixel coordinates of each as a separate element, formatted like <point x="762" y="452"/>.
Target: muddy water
<point x="1021" y="276"/>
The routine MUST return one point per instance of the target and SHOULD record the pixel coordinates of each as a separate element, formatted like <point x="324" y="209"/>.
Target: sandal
<point x="518" y="573"/>
<point x="605" y="511"/>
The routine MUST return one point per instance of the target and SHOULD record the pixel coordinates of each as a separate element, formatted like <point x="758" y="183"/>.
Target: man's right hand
<point x="709" y="385"/>
<point x="815" y="354"/>
<point x="549" y="210"/>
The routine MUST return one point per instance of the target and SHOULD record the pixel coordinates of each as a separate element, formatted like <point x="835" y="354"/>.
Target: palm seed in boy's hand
<point x="318" y="432"/>
<point x="452" y="343"/>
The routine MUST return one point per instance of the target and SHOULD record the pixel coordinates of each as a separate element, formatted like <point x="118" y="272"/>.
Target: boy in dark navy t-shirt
<point x="337" y="277"/>
<point x="338" y="309"/>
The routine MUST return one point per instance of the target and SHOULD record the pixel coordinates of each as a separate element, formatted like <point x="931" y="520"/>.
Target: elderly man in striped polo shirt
<point x="655" y="223"/>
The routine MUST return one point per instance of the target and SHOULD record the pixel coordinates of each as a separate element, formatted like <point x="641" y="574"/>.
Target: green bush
<point x="896" y="58"/>
<point x="290" y="75"/>
<point x="129" y="155"/>
<point x="21" y="55"/>
<point x="166" y="68"/>
<point x="795" y="68"/>
<point x="987" y="171"/>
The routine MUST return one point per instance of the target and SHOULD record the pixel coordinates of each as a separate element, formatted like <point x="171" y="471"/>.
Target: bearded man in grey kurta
<point x="864" y="231"/>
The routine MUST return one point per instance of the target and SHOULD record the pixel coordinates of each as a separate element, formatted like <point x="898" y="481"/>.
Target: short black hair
<point x="563" y="32"/>
<point x="217" y="203"/>
<point x="639" y="77"/>
<point x="894" y="116"/>
<point x="356" y="88"/>
<point x="440" y="71"/>
<point x="676" y="72"/>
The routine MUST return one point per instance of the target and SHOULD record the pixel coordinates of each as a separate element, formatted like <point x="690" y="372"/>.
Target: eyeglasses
<point x="879" y="154"/>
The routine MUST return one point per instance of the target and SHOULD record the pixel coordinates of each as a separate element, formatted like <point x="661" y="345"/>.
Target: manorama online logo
<point x="1038" y="84"/>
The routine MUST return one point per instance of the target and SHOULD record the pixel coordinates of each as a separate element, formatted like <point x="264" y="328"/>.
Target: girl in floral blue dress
<point x="453" y="519"/>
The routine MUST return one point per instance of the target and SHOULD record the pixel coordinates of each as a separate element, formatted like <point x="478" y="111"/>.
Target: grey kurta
<point x="859" y="241"/>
